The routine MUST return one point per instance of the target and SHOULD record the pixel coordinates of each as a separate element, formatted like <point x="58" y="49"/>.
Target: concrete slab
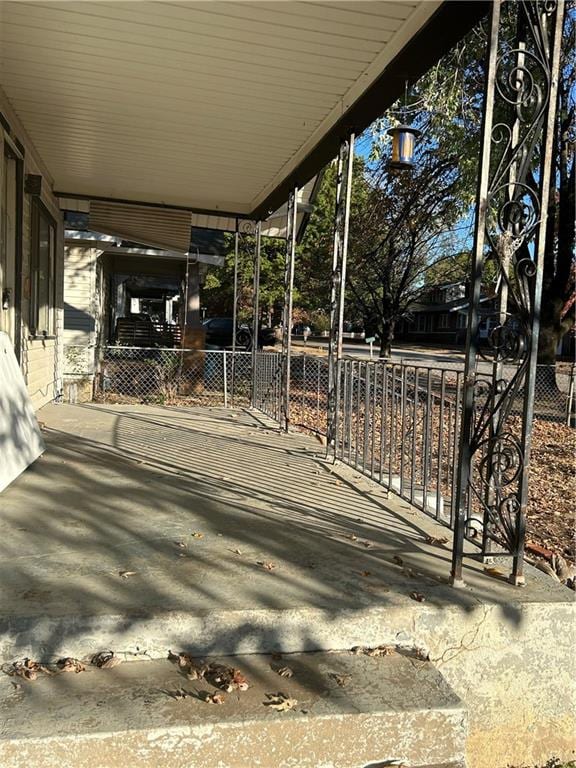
<point x="350" y="711"/>
<point x="126" y="488"/>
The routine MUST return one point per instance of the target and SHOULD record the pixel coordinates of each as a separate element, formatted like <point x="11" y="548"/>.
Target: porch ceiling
<point x="208" y="105"/>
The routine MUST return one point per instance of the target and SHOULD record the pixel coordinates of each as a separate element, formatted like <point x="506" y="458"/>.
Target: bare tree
<point x="401" y="231"/>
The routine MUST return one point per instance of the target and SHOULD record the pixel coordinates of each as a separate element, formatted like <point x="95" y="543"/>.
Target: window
<point x="42" y="271"/>
<point x="443" y="321"/>
<point x="421" y="322"/>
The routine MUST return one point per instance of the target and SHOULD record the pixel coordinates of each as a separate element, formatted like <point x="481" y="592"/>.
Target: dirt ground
<point x="552" y="488"/>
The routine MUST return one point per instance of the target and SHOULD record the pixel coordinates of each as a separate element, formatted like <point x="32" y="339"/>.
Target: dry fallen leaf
<point x="27" y="669"/>
<point x="126" y="574"/>
<point x="366" y="544"/>
<point x="181" y="659"/>
<point x="379" y="650"/>
<point x="237" y="551"/>
<point x="266" y="565"/>
<point x="495" y="572"/>
<point x="196" y="673"/>
<point x="226" y="678"/>
<point x="398" y="560"/>
<point x="197" y="535"/>
<point x="280" y="702"/>
<point x="418" y="596"/>
<point x="352" y="537"/>
<point x="340" y="680"/>
<point x="181" y="544"/>
<point x="179" y="693"/>
<point x="436" y="541"/>
<point x="365" y="573"/>
<point x="70" y="665"/>
<point x="105" y="660"/>
<point x="285" y="672"/>
<point x="212" y="698"/>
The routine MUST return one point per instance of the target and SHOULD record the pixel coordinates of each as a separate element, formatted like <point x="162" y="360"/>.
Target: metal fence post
<point x="288" y="297"/>
<point x="225" y="378"/>
<point x="510" y="231"/>
<point x="256" y="309"/>
<point x="339" y="256"/>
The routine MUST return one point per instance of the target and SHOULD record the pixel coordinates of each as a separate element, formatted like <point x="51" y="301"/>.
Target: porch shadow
<point x="206" y="530"/>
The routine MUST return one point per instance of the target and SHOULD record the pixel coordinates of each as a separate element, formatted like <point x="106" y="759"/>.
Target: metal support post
<point x="256" y="309"/>
<point x="288" y="296"/>
<point x="339" y="257"/>
<point x="235" y="310"/>
<point x="511" y="215"/>
<point x="235" y="298"/>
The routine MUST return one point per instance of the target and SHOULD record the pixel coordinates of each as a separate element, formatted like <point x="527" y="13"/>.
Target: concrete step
<point x="352" y="711"/>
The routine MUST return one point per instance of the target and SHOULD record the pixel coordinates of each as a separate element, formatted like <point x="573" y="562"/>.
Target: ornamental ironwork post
<point x="344" y="172"/>
<point x="510" y="229"/>
<point x="287" y="311"/>
<point x="256" y="308"/>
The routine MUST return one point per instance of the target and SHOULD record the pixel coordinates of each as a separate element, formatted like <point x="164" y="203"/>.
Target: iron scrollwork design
<point x="520" y="89"/>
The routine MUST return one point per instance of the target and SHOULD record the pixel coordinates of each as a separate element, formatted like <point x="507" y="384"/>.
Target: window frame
<point x="39" y="212"/>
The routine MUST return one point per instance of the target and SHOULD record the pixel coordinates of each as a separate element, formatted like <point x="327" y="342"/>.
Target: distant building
<point x="440" y="316"/>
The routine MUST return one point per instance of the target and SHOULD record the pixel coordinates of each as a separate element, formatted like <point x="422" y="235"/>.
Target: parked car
<point x="219" y="334"/>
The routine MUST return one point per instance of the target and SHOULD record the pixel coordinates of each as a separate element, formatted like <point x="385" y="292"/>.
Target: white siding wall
<point x="81" y="308"/>
<point x="41" y="359"/>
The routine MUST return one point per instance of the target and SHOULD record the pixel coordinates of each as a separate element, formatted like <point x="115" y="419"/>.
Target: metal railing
<point x="399" y="425"/>
<point x="267" y="386"/>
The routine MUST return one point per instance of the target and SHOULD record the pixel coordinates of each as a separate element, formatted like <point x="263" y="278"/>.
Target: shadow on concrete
<point x="148" y="516"/>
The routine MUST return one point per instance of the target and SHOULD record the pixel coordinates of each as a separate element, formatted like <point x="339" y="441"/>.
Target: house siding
<point x="82" y="309"/>
<point x="40" y="358"/>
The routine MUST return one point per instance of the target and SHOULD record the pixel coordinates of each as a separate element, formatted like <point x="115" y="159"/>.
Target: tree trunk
<point x="386" y="338"/>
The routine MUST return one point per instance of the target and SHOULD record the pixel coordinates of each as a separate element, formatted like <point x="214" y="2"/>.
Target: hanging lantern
<point x="403" y="140"/>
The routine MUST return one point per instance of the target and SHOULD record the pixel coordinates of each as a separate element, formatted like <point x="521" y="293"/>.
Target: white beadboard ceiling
<point x="209" y="105"/>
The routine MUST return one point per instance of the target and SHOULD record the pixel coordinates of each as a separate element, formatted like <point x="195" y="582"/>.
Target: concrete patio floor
<point x="147" y="528"/>
<point x="191" y="503"/>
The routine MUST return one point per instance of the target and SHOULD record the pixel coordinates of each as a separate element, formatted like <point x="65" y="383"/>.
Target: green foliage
<point x="217" y="293"/>
<point x="313" y="273"/>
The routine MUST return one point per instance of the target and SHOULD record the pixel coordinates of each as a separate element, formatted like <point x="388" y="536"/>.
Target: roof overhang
<point x="216" y="107"/>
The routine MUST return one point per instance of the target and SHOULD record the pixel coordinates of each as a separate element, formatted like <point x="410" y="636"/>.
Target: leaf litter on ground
<point x="105" y="660"/>
<point x="280" y="702"/>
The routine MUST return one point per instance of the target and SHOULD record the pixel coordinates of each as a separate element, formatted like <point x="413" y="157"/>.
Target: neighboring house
<point x="440" y="316"/>
<point x="31" y="261"/>
<point x="126" y="260"/>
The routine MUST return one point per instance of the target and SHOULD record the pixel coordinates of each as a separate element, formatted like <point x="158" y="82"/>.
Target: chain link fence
<point x="174" y="377"/>
<point x="398" y="423"/>
<point x="309" y="393"/>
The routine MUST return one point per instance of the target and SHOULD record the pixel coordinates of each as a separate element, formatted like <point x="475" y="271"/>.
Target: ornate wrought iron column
<point x="339" y="256"/>
<point x="288" y="295"/>
<point x="511" y="213"/>
<point x="256" y="307"/>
